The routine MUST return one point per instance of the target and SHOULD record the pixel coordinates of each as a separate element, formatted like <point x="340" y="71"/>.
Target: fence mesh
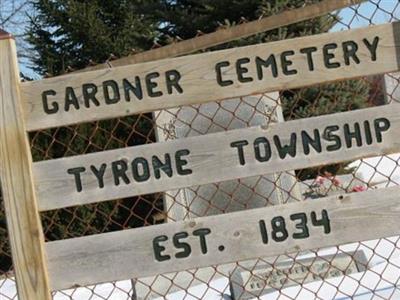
<point x="366" y="268"/>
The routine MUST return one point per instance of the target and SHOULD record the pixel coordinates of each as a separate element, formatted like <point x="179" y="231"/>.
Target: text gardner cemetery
<point x="156" y="85"/>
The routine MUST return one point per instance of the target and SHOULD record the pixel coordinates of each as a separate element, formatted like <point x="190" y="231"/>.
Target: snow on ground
<point x="380" y="281"/>
<point x="384" y="171"/>
<point x="381" y="278"/>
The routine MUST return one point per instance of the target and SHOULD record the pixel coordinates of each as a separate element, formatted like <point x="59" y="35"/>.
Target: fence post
<point x="24" y="227"/>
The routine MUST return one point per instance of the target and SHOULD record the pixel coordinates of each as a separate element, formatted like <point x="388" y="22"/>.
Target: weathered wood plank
<point x="210" y="76"/>
<point x="230" y="34"/>
<point x="217" y="157"/>
<point x="224" y="238"/>
<point x="24" y="227"/>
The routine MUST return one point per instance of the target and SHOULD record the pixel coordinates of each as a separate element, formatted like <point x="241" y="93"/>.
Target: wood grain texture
<point x="198" y="76"/>
<point x="213" y="159"/>
<point x="230" y="34"/>
<point x="129" y="253"/>
<point x="24" y="227"/>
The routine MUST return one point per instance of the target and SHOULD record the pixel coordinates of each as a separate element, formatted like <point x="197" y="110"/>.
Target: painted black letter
<point x="76" y="172"/>
<point x="54" y="104"/>
<point x="218" y="68"/>
<point x="239" y="145"/>
<point x="89" y="91"/>
<point x="242" y="70"/>
<point x="182" y="162"/>
<point x="172" y="80"/>
<point x="381" y="125"/>
<point x="367" y="130"/>
<point x="308" y="51"/>
<point x="145" y="169"/>
<point x="135" y="89"/>
<point x="349" y="50"/>
<point x="186" y="250"/>
<point x="331" y="137"/>
<point x="119" y="168"/>
<point x="70" y="98"/>
<point x="99" y="174"/>
<point x="266" y="149"/>
<point x="157" y="248"/>
<point x="286" y="149"/>
<point x="270" y="61"/>
<point x="151" y="85"/>
<point x="115" y="91"/>
<point x="328" y="56"/>
<point x="201" y="233"/>
<point x="159" y="165"/>
<point x="307" y="141"/>
<point x="372" y="47"/>
<point x="286" y="63"/>
<point x="348" y="135"/>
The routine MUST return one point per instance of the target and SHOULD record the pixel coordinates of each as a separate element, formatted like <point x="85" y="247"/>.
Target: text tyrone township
<point x="135" y="170"/>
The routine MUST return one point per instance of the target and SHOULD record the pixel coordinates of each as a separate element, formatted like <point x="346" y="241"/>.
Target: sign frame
<point x="20" y="203"/>
<point x="33" y="258"/>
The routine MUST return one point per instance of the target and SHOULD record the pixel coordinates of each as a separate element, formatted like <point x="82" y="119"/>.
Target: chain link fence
<point x="366" y="268"/>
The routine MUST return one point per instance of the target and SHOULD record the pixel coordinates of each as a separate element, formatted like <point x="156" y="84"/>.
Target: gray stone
<point x="267" y="278"/>
<point x="216" y="198"/>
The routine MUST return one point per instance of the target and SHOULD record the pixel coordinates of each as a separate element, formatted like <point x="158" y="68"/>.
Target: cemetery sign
<point x="211" y="76"/>
<point x="29" y="188"/>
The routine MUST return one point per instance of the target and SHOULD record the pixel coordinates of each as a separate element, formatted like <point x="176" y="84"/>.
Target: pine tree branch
<point x="230" y="34"/>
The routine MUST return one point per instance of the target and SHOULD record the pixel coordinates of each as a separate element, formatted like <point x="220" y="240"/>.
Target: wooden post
<point x="24" y="226"/>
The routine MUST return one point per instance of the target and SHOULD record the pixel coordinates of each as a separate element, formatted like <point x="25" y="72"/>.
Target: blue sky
<point x="368" y="13"/>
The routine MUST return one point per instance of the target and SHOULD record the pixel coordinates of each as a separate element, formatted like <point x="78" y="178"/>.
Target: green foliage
<point x="71" y="33"/>
<point x="185" y="18"/>
<point x="325" y="99"/>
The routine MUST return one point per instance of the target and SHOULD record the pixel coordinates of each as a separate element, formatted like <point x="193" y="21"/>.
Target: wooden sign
<point x="211" y="76"/>
<point x="29" y="188"/>
<point x="217" y="157"/>
<point x="220" y="239"/>
<point x="263" y="279"/>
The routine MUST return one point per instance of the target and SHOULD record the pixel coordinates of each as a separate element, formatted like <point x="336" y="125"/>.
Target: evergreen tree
<point x="74" y="33"/>
<point x="184" y="18"/>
